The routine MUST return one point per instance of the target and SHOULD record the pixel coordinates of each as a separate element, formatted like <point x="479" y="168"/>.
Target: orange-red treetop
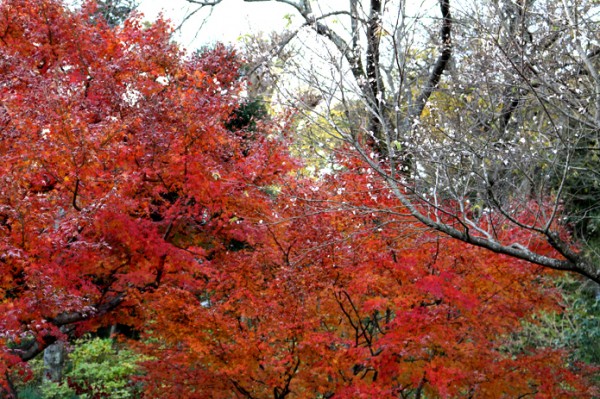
<point x="113" y="153"/>
<point x="124" y="199"/>
<point x="341" y="294"/>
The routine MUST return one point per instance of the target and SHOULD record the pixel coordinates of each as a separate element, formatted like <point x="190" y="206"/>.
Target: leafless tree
<point x="479" y="115"/>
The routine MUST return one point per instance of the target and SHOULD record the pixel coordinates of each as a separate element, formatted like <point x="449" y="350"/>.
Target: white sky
<point x="233" y="18"/>
<point x="228" y="21"/>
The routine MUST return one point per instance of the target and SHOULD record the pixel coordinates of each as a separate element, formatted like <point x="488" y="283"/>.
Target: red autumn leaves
<point x="125" y="199"/>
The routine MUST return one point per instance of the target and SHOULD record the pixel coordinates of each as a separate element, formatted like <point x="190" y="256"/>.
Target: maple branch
<point x="4" y="35"/>
<point x="419" y="390"/>
<point x="34" y="348"/>
<point x="375" y="321"/>
<point x="279" y="393"/>
<point x="360" y="328"/>
<point x="241" y="389"/>
<point x="38" y="345"/>
<point x="527" y="394"/>
<point x="285" y="252"/>
<point x="75" y="191"/>
<point x="159" y="272"/>
<point x="338" y="299"/>
<point x="74" y="317"/>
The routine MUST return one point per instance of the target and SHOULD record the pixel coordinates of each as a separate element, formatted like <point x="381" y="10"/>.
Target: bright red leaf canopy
<point x="125" y="199"/>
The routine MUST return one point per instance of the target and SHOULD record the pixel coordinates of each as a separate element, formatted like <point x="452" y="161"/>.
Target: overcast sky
<point x="229" y="20"/>
<point x="233" y="18"/>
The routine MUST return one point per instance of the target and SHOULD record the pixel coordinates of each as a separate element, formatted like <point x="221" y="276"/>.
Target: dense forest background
<point x="366" y="205"/>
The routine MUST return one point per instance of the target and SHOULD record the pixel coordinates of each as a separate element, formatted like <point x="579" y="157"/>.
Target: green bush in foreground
<point x="95" y="369"/>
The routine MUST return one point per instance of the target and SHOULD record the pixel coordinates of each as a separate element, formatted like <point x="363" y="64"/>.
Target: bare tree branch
<point x="440" y="65"/>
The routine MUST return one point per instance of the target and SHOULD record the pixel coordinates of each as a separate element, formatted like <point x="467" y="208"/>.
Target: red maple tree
<point x="125" y="198"/>
<point x="334" y="298"/>
<point x="113" y="152"/>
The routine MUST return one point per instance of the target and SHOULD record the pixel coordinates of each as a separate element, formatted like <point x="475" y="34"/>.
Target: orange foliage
<point x="124" y="199"/>
<point x="342" y="295"/>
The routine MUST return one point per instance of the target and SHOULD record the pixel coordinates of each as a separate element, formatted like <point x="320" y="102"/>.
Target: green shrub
<point x="95" y="369"/>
